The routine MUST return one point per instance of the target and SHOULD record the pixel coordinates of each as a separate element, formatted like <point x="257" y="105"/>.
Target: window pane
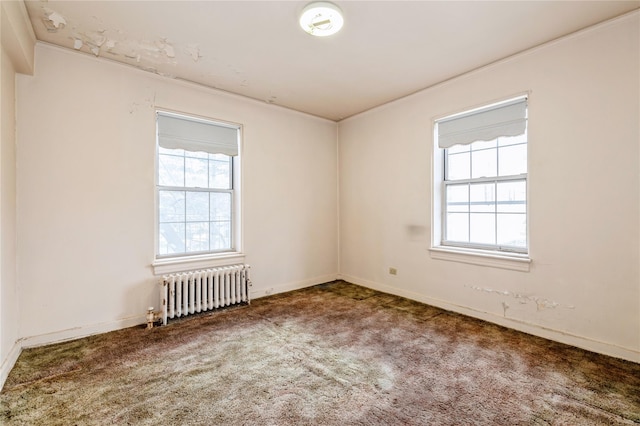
<point x="220" y="206"/>
<point x="197" y="236"/>
<point x="484" y="163"/>
<point x="482" y="197"/>
<point x="483" y="228"/>
<point x="196" y="173"/>
<point x="170" y="170"/>
<point x="220" y="235"/>
<point x="512" y="197"/>
<point x="458" y="166"/>
<point x="171" y="238"/>
<point x="197" y="206"/>
<point x="512" y="230"/>
<point x="457" y="198"/>
<point x="220" y="173"/>
<point x="512" y="160"/>
<point x="458" y="227"/>
<point x="171" y="206"/>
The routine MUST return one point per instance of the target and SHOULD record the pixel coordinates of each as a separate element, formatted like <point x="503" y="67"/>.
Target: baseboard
<point x="89" y="330"/>
<point x="9" y="362"/>
<point x="79" y="332"/>
<point x="296" y="285"/>
<point x="529" y="328"/>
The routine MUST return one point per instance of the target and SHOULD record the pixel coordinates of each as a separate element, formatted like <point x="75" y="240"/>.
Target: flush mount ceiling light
<point x="321" y="19"/>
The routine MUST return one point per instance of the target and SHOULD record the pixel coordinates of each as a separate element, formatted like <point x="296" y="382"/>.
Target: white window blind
<point x="196" y="136"/>
<point x="484" y="125"/>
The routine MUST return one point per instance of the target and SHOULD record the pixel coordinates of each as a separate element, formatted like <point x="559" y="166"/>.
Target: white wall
<point x="583" y="200"/>
<point x="86" y="192"/>
<point x="16" y="55"/>
<point x="8" y="293"/>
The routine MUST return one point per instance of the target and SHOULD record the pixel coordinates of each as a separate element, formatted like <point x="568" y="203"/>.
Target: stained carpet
<point x="335" y="354"/>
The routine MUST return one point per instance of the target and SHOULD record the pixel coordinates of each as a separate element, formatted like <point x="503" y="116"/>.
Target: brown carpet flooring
<point x="335" y="354"/>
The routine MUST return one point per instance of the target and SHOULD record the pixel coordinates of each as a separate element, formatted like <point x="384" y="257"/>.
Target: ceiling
<point x="386" y="50"/>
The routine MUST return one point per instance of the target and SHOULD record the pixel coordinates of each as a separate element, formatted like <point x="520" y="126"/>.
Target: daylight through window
<point x="195" y="186"/>
<point x="484" y="179"/>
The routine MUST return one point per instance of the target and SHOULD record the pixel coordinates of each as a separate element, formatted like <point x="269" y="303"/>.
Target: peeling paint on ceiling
<point x="386" y="50"/>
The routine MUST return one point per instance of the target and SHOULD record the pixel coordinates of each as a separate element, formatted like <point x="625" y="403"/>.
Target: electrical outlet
<point x="393" y="271"/>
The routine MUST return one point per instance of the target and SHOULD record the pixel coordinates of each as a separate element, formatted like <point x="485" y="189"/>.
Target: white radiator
<point x="191" y="292"/>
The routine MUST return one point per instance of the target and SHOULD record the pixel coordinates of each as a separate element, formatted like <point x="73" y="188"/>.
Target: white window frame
<point x="477" y="254"/>
<point x="164" y="264"/>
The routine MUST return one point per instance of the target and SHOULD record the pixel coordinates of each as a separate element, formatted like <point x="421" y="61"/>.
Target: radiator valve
<point x="150" y="317"/>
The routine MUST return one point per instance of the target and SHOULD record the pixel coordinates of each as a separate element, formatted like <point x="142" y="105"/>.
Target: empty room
<point x="297" y="212"/>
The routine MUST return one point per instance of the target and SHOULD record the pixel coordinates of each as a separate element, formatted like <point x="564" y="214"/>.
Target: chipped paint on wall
<point x="168" y="50"/>
<point x="505" y="306"/>
<point x="148" y="102"/>
<point x="193" y="51"/>
<point x="523" y="299"/>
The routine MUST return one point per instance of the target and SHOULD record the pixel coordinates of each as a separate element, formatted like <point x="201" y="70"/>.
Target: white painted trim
<point x="192" y="263"/>
<point x="296" y="285"/>
<point x="9" y="362"/>
<point x="586" y="343"/>
<point x="513" y="262"/>
<point x="82" y="331"/>
<point x="93" y="329"/>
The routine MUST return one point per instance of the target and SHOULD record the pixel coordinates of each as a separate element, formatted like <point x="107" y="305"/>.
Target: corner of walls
<point x="18" y="37"/>
<point x="17" y="50"/>
<point x="594" y="88"/>
<point x="289" y="192"/>
<point x="8" y="362"/>
<point x="292" y="286"/>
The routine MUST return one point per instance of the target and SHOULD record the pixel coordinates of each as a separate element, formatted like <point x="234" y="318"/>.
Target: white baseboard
<point x="297" y="285"/>
<point x="526" y="327"/>
<point x="9" y="362"/>
<point x="92" y="329"/>
<point x="82" y="331"/>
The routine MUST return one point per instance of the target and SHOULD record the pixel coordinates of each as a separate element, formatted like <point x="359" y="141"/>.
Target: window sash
<point x="446" y="241"/>
<point x="186" y="221"/>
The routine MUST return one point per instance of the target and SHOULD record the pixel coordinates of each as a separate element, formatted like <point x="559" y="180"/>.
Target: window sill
<point x="181" y="264"/>
<point x="511" y="261"/>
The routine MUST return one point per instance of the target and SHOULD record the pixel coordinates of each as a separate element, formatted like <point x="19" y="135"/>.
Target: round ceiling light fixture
<point x="321" y="19"/>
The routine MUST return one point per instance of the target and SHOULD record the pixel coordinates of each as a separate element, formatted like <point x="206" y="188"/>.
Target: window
<point x="197" y="179"/>
<point x="483" y="178"/>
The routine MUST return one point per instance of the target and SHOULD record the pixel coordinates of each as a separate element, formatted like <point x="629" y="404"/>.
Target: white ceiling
<point x="386" y="50"/>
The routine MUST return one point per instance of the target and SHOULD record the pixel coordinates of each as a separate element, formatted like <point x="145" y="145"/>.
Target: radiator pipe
<point x="150" y="317"/>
